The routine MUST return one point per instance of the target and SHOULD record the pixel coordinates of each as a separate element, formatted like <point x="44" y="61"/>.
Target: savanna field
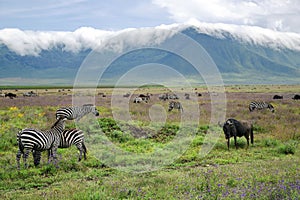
<point x="267" y="169"/>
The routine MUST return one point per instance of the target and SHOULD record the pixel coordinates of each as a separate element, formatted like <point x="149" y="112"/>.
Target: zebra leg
<point x="49" y="156"/>
<point x="79" y="147"/>
<point x="36" y="157"/>
<point x="54" y="155"/>
<point x="84" y="150"/>
<point x="25" y="156"/>
<point x="18" y="157"/>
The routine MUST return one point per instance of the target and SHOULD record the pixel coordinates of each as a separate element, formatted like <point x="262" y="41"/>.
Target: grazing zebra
<point x="260" y="105"/>
<point x="175" y="105"/>
<point x="67" y="139"/>
<point x="76" y="112"/>
<point x="37" y="141"/>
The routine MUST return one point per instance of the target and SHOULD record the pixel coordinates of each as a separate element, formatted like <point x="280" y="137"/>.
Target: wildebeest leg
<point x="247" y="137"/>
<point x="228" y="142"/>
<point x="235" y="142"/>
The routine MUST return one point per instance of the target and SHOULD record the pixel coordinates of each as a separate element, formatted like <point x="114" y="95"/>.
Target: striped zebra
<point x="37" y="141"/>
<point x="67" y="139"/>
<point x="175" y="105"/>
<point x="76" y="112"/>
<point x="260" y="105"/>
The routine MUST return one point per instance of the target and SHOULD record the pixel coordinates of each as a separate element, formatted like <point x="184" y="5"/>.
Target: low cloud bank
<point x="26" y="42"/>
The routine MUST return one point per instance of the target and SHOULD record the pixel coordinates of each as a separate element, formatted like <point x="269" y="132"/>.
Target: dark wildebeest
<point x="144" y="97"/>
<point x="296" y="97"/>
<point x="10" y="95"/>
<point x="126" y="95"/>
<point x="277" y="96"/>
<point x="234" y="128"/>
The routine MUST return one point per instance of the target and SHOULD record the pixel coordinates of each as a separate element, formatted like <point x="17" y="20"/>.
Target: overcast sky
<point x="69" y="15"/>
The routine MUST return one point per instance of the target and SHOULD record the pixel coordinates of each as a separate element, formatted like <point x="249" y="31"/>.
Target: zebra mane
<point x="89" y="104"/>
<point x="57" y="121"/>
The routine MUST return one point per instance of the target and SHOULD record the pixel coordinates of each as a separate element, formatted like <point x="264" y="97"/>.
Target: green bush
<point x="269" y="142"/>
<point x="288" y="148"/>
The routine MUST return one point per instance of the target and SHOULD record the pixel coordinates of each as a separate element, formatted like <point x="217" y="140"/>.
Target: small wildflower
<point x="20" y="115"/>
<point x="13" y="108"/>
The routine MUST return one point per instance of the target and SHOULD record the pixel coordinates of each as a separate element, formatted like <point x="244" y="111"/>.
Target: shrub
<point x="288" y="148"/>
<point x="270" y="142"/>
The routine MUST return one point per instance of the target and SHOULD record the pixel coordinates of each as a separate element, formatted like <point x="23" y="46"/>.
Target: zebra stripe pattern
<point x="260" y="105"/>
<point x="175" y="105"/>
<point x="37" y="141"/>
<point x="76" y="112"/>
<point x="67" y="139"/>
<point x="73" y="137"/>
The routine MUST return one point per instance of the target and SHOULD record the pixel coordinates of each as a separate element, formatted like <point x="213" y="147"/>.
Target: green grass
<point x="268" y="169"/>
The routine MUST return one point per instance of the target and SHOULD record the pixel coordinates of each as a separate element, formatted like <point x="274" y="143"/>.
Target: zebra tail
<point x="84" y="148"/>
<point x="21" y="146"/>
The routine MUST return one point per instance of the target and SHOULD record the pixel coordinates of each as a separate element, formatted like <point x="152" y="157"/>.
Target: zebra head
<point x="171" y="105"/>
<point x="92" y="108"/>
<point x="59" y="125"/>
<point x="271" y="107"/>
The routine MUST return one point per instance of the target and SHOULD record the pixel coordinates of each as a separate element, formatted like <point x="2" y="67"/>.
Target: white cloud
<point x="33" y="42"/>
<point x="282" y="15"/>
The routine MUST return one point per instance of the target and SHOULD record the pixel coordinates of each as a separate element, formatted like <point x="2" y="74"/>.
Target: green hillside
<point x="238" y="62"/>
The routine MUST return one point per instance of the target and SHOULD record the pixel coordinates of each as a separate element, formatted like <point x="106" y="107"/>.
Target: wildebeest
<point x="30" y="94"/>
<point x="167" y="96"/>
<point x="163" y="96"/>
<point x="198" y="94"/>
<point x="10" y="95"/>
<point x="277" y="97"/>
<point x="144" y="97"/>
<point x="296" y="97"/>
<point x="127" y="94"/>
<point x="235" y="128"/>
<point x="187" y="96"/>
<point x="102" y="94"/>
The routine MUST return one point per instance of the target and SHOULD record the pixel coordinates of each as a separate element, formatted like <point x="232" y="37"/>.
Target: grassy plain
<point x="268" y="169"/>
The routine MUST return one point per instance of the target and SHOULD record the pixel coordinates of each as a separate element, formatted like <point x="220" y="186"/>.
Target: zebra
<point x="76" y="112"/>
<point x="175" y="105"/>
<point x="260" y="105"/>
<point x="67" y="139"/>
<point x="36" y="141"/>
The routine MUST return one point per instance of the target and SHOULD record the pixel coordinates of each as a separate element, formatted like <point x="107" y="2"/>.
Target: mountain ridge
<point x="239" y="62"/>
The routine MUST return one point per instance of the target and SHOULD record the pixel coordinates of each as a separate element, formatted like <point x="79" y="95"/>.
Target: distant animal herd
<point x="35" y="141"/>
